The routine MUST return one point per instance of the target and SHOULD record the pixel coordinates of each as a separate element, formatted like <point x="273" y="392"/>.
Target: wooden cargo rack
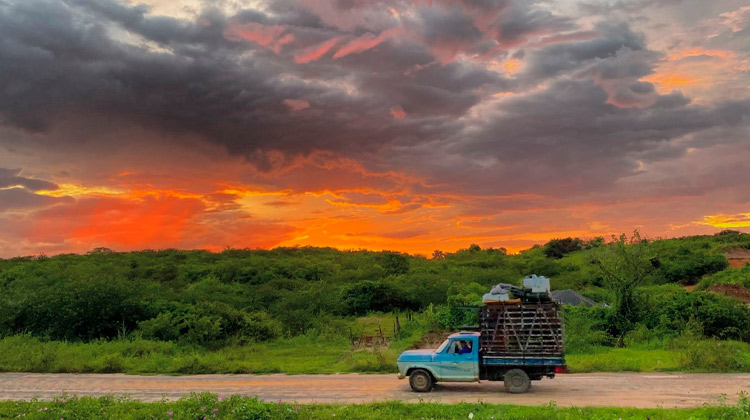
<point x="521" y="329"/>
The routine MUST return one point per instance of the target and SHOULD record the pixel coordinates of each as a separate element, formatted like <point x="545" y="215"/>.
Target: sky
<point x="411" y="126"/>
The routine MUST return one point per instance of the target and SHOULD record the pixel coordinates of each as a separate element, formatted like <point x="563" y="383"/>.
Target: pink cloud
<point x="398" y="112"/>
<point x="365" y="42"/>
<point x="316" y="51"/>
<point x="296" y="104"/>
<point x="268" y="36"/>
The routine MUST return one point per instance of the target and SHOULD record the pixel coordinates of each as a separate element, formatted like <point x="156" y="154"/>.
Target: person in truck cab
<point x="464" y="347"/>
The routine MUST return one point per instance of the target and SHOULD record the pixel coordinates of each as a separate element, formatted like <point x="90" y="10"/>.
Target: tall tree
<point x="625" y="263"/>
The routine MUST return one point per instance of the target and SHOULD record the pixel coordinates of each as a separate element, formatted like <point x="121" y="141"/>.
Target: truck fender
<point x="413" y="368"/>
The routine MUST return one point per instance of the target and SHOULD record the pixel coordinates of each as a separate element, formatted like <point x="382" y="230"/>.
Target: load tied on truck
<point x="519" y="339"/>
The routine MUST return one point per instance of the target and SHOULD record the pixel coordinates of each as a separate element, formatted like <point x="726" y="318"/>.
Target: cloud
<point x="10" y="178"/>
<point x="444" y="113"/>
<point x="316" y="51"/>
<point x="364" y="43"/>
<point x="296" y="104"/>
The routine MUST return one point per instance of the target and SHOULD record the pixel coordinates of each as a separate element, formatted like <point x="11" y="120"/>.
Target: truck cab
<point x="455" y="360"/>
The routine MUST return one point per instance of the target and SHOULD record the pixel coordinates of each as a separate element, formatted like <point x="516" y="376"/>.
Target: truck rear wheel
<point x="517" y="381"/>
<point x="420" y="381"/>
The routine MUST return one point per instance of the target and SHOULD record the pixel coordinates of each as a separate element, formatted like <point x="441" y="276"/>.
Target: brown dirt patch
<point x="738" y="262"/>
<point x="734" y="290"/>
<point x="737" y="256"/>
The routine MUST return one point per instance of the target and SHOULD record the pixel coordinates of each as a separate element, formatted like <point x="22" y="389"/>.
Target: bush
<point x="374" y="296"/>
<point x="586" y="328"/>
<point x="711" y="355"/>
<point x="739" y="276"/>
<point x="186" y="324"/>
<point x="557" y="248"/>
<point x="719" y="316"/>
<point x="687" y="265"/>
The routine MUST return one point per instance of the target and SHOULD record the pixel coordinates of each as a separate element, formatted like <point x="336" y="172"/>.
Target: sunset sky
<point x="402" y="125"/>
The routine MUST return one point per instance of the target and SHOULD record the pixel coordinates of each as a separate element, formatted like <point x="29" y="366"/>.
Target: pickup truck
<point x="518" y="342"/>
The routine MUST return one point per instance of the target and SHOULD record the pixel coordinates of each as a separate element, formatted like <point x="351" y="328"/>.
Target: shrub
<point x="721" y="317"/>
<point x="688" y="265"/>
<point x="374" y="296"/>
<point x="557" y="248"/>
<point x="586" y="328"/>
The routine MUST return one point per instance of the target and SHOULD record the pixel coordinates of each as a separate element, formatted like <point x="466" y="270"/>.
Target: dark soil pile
<point x="729" y="289"/>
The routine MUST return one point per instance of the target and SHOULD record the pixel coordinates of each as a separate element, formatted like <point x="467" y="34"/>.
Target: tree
<point x="625" y="263"/>
<point x="395" y="263"/>
<point x="438" y="254"/>
<point x="556" y="248"/>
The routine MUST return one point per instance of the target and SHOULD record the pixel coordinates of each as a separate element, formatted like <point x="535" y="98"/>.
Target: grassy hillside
<point x="268" y="311"/>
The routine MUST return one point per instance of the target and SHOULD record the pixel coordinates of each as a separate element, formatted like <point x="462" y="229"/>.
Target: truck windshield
<point x="443" y="346"/>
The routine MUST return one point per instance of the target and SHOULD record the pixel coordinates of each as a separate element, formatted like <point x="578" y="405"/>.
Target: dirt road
<point x="599" y="389"/>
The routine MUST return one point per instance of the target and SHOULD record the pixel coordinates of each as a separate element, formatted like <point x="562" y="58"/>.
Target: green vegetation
<point x="209" y="406"/>
<point x="307" y="310"/>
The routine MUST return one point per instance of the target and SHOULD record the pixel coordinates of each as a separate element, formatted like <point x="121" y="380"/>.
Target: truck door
<point x="460" y="365"/>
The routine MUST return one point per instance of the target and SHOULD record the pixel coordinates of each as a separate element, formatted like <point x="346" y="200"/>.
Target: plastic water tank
<point x="537" y="284"/>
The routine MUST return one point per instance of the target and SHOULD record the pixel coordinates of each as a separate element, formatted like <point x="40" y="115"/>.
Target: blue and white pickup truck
<point x="517" y="343"/>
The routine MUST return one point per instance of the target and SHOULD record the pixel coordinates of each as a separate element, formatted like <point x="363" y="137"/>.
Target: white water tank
<point x="537" y="284"/>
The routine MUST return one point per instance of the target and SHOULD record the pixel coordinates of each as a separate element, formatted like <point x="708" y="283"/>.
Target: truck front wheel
<point x="517" y="381"/>
<point x="420" y="381"/>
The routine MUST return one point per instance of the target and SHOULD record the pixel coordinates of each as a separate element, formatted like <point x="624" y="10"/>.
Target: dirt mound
<point x="737" y="256"/>
<point x="729" y="289"/>
<point x="738" y="262"/>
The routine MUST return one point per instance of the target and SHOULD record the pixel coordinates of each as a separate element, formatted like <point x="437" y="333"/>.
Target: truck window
<point x="460" y="347"/>
<point x="442" y="346"/>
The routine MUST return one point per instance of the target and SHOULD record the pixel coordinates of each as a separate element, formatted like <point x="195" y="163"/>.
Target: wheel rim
<point x="516" y="381"/>
<point x="420" y="381"/>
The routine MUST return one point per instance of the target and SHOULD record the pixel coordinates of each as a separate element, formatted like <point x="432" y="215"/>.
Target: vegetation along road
<point x="642" y="390"/>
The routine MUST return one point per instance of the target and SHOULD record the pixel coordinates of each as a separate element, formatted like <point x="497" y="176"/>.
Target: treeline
<point x="237" y="296"/>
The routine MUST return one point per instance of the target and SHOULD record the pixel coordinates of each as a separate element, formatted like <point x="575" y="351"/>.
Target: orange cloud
<point x="148" y="222"/>
<point x="398" y="112"/>
<point x="726" y="220"/>
<point x="670" y="81"/>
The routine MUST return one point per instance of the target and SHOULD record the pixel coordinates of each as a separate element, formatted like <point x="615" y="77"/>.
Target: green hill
<point x="172" y="311"/>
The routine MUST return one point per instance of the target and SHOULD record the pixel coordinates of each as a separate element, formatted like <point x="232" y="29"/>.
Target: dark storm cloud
<point x="12" y="178"/>
<point x="522" y="21"/>
<point x="567" y="140"/>
<point x="579" y="107"/>
<point x="21" y="198"/>
<point x="55" y="58"/>
<point x="552" y="60"/>
<point x="17" y="192"/>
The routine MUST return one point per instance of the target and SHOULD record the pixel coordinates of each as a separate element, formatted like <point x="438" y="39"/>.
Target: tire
<point x="420" y="381"/>
<point x="517" y="381"/>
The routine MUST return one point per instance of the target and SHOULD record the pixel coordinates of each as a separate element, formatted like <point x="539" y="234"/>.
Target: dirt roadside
<point x="597" y="389"/>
